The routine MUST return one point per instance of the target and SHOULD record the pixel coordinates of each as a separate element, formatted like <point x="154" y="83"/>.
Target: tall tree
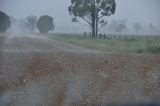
<point x="31" y="23"/>
<point x="92" y="12"/>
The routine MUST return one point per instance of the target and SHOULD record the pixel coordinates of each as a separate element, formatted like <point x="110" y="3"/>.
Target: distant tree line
<point x="118" y="26"/>
<point x="44" y="24"/>
<point x="81" y="10"/>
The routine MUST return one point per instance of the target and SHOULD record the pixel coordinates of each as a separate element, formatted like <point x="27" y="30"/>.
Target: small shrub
<point x="140" y="51"/>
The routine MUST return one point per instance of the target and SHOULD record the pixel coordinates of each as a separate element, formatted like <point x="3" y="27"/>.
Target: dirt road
<point x="37" y="71"/>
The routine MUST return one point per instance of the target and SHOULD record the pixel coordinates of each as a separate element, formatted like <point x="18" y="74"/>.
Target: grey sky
<point x="143" y="11"/>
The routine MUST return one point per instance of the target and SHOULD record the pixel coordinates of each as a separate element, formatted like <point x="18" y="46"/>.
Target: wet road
<point x="37" y="71"/>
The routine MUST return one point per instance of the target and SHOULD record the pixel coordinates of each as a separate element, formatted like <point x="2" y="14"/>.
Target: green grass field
<point x="114" y="43"/>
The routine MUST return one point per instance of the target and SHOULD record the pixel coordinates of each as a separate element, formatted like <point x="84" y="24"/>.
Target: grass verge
<point x="114" y="43"/>
<point x="2" y="37"/>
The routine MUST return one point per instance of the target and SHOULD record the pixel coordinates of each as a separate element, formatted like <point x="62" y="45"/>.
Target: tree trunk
<point x="97" y="22"/>
<point x="93" y="16"/>
<point x="96" y="29"/>
<point x="93" y="29"/>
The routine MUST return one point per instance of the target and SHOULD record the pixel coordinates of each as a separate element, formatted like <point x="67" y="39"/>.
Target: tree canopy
<point x="45" y="24"/>
<point x="31" y="23"/>
<point x="5" y="22"/>
<point x="92" y="12"/>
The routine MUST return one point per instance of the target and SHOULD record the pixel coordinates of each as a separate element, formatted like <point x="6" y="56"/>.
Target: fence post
<point x="104" y="36"/>
<point x="100" y="35"/>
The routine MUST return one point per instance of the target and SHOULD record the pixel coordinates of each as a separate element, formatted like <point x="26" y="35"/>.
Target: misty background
<point x="128" y="12"/>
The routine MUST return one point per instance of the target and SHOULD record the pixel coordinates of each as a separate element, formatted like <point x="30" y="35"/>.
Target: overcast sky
<point x="143" y="11"/>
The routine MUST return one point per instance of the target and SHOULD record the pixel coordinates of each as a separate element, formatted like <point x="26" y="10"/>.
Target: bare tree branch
<point x="84" y="24"/>
<point x="100" y="16"/>
<point x="87" y="21"/>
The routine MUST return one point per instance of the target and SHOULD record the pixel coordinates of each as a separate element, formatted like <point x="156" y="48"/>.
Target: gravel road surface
<point x="37" y="71"/>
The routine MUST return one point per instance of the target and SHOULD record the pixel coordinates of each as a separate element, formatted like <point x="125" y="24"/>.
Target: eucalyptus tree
<point x="93" y="12"/>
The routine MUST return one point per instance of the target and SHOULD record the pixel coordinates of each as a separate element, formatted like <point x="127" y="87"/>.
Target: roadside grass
<point x="114" y="43"/>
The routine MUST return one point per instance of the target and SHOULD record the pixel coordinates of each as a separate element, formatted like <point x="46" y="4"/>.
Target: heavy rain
<point x="79" y="53"/>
